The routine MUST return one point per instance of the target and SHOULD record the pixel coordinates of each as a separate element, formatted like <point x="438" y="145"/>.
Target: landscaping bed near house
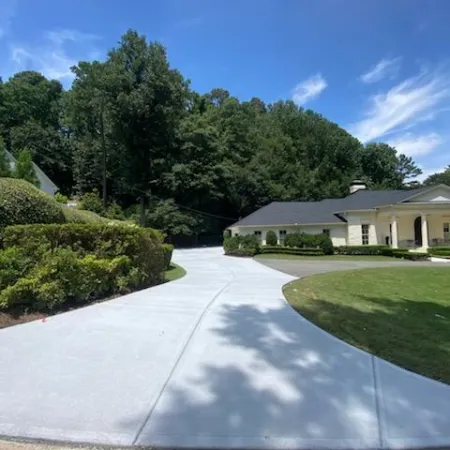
<point x="324" y="257"/>
<point x="401" y="314"/>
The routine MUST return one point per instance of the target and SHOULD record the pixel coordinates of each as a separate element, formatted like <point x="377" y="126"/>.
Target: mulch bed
<point x="9" y="319"/>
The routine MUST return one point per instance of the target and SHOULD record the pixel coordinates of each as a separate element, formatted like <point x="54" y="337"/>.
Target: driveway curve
<point x="217" y="359"/>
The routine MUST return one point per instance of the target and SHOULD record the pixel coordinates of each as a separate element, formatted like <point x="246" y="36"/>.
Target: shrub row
<point x="241" y="245"/>
<point x="304" y="240"/>
<point x="404" y="254"/>
<point x="292" y="250"/>
<point x="439" y="251"/>
<point x="360" y="249"/>
<point x="43" y="266"/>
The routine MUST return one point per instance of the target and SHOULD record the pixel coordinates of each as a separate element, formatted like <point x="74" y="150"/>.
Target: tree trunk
<point x="104" y="178"/>
<point x="142" y="210"/>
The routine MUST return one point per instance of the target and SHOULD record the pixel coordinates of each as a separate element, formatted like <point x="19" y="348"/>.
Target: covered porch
<point x="415" y="229"/>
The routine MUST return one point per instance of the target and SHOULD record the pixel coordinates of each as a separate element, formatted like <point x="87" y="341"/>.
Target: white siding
<point x="440" y="194"/>
<point x="355" y="221"/>
<point x="338" y="233"/>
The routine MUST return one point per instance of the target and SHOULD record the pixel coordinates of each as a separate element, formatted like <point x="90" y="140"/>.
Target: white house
<point x="414" y="218"/>
<point x="46" y="184"/>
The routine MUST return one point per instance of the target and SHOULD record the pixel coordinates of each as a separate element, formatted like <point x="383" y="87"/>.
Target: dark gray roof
<point x="324" y="211"/>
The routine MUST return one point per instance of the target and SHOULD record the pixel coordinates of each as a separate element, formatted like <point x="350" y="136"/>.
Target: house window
<point x="326" y="232"/>
<point x="446" y="231"/>
<point x="365" y="234"/>
<point x="282" y="234"/>
<point x="258" y="234"/>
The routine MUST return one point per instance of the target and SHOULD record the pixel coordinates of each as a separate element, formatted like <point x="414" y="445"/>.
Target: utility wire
<point x="193" y="210"/>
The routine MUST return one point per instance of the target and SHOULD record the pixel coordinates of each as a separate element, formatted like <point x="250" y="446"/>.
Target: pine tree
<point x="24" y="168"/>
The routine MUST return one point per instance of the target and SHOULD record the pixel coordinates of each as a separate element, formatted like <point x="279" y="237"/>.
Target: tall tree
<point x="150" y="102"/>
<point x="439" y="178"/>
<point x="89" y="105"/>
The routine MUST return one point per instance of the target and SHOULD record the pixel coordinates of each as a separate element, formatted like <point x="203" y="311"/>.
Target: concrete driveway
<point x="215" y="359"/>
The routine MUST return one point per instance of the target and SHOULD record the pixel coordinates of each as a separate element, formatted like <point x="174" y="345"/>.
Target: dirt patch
<point x="15" y="445"/>
<point x="10" y="319"/>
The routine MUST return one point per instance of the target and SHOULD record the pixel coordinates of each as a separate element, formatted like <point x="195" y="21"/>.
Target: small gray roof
<point x="325" y="211"/>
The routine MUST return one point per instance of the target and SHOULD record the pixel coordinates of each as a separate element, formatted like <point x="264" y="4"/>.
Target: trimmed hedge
<point x="405" y="254"/>
<point x="439" y="251"/>
<point x="271" y="238"/>
<point x="167" y="251"/>
<point x="241" y="245"/>
<point x="76" y="263"/>
<point x="73" y="215"/>
<point x="23" y="203"/>
<point x="360" y="249"/>
<point x="305" y="240"/>
<point x="292" y="250"/>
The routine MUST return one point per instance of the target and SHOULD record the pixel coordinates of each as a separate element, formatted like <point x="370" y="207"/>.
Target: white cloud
<point x="382" y="69"/>
<point x="52" y="63"/>
<point x="52" y="58"/>
<point x="60" y="36"/>
<point x="309" y="89"/>
<point x="416" y="145"/>
<point x="408" y="102"/>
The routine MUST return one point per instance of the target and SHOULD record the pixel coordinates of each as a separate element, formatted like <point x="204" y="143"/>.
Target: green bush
<point x="167" y="250"/>
<point x="63" y="277"/>
<point x="114" y="211"/>
<point x="292" y="250"/>
<point x="241" y="245"/>
<point x="439" y="251"/>
<point x="73" y="215"/>
<point x="60" y="198"/>
<point x="92" y="202"/>
<point x="305" y="240"/>
<point x="271" y="238"/>
<point x="361" y="249"/>
<point x="404" y="254"/>
<point x="14" y="264"/>
<point x="44" y="266"/>
<point x="23" y="203"/>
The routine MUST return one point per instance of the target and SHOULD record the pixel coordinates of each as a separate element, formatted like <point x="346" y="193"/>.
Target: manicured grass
<point x="401" y="314"/>
<point x="328" y="257"/>
<point x="174" y="272"/>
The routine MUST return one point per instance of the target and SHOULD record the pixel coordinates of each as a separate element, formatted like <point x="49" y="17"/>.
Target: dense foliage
<point x="45" y="266"/>
<point x="132" y="129"/>
<point x="305" y="240"/>
<point x="271" y="238"/>
<point x="241" y="245"/>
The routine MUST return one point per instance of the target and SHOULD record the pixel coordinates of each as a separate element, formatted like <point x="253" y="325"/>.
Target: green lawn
<point x="174" y="272"/>
<point x="328" y="257"/>
<point x="401" y="314"/>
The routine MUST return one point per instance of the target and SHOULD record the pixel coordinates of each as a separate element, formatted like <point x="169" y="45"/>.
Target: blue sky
<point x="378" y="68"/>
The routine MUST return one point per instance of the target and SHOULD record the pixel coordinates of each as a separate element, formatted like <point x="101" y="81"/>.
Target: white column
<point x="394" y="232"/>
<point x="424" y="221"/>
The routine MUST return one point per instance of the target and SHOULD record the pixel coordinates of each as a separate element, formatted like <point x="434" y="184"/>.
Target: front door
<point x="418" y="231"/>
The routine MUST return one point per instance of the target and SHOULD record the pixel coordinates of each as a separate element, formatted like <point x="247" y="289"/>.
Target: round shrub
<point x="23" y="203"/>
<point x="271" y="238"/>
